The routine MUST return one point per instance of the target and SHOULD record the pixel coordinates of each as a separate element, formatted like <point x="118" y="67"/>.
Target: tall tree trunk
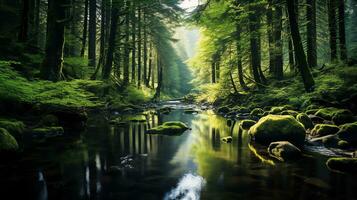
<point x="92" y="32"/>
<point x="278" y="43"/>
<point x="159" y="79"/>
<point x="133" y="42"/>
<point x="150" y="64"/>
<point x="331" y="7"/>
<point x="51" y="68"/>
<point x="37" y="22"/>
<point x="22" y="37"/>
<point x="126" y="45"/>
<point x="239" y="58"/>
<point x="298" y="48"/>
<point x="311" y="33"/>
<point x="139" y="46"/>
<point x="111" y="43"/>
<point x="254" y="43"/>
<point x="213" y="71"/>
<point x="271" y="42"/>
<point x="341" y="30"/>
<point x="85" y="28"/>
<point x="145" y="77"/>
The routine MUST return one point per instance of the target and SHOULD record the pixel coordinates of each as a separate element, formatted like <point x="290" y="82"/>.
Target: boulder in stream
<point x="227" y="139"/>
<point x="273" y="128"/>
<point x="169" y="128"/>
<point x="305" y="120"/>
<point x="345" y="165"/>
<point x="283" y="150"/>
<point x="246" y="124"/>
<point x="324" y="129"/>
<point x="8" y="144"/>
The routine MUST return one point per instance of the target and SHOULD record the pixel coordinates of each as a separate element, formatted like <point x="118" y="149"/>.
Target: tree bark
<point x="51" y="68"/>
<point x="311" y="33"/>
<point x="341" y="30"/>
<point x="331" y="7"/>
<point x="278" y="43"/>
<point x="133" y="42"/>
<point x="271" y="43"/>
<point x="126" y="45"/>
<point x="111" y="43"/>
<point x="150" y="64"/>
<point x="85" y="27"/>
<point x="213" y="71"/>
<point x="22" y="37"/>
<point x="92" y="33"/>
<point x="239" y="58"/>
<point x="139" y="46"/>
<point x="254" y="44"/>
<point x="145" y="76"/>
<point x="298" y="48"/>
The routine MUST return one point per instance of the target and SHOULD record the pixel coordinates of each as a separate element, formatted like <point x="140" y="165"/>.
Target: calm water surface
<point x="110" y="162"/>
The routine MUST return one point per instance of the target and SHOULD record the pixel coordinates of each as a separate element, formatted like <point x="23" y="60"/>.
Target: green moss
<point x="169" y="128"/>
<point x="305" y="120"/>
<point x="47" y="131"/>
<point x="324" y="129"/>
<point x="342" y="116"/>
<point x="246" y="124"/>
<point x="15" y="88"/>
<point x="283" y="150"/>
<point x="7" y="142"/>
<point x="342" y="144"/>
<point x="348" y="132"/>
<point x="290" y="112"/>
<point x="274" y="128"/>
<point x="257" y="112"/>
<point x="327" y="113"/>
<point x="14" y="127"/>
<point x="347" y="165"/>
<point x="311" y="111"/>
<point x="276" y="110"/>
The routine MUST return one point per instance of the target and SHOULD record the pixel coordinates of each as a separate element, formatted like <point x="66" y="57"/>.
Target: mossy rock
<point x="227" y="139"/>
<point x="283" y="150"/>
<point x="345" y="165"/>
<point x="348" y="132"/>
<point x="169" y="128"/>
<point x="257" y="112"/>
<point x="49" y="120"/>
<point x="135" y="118"/>
<point x="312" y="106"/>
<point x="45" y="132"/>
<point x="273" y="128"/>
<point x="327" y="113"/>
<point x="305" y="120"/>
<point x="8" y="143"/>
<point x="290" y="112"/>
<point x="279" y="109"/>
<point x="324" y="129"/>
<point x="14" y="127"/>
<point x="246" y="124"/>
<point x="223" y="109"/>
<point x="311" y="111"/>
<point x="342" y="117"/>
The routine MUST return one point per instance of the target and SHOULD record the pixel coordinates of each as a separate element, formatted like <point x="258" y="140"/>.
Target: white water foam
<point x="188" y="188"/>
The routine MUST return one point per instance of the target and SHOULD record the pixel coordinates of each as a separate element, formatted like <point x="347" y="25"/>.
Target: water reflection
<point x="122" y="162"/>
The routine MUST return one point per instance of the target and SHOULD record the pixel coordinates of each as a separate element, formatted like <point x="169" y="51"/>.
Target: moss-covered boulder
<point x="305" y="120"/>
<point x="289" y="112"/>
<point x="345" y="165"/>
<point x="227" y="139"/>
<point x="326" y="113"/>
<point x="342" y="117"/>
<point x="223" y="109"/>
<point x="283" y="150"/>
<point x="348" y="132"/>
<point x="279" y="109"/>
<point x="45" y="132"/>
<point x="257" y="112"/>
<point x="14" y="127"/>
<point x="273" y="128"/>
<point x="311" y="111"/>
<point x="324" y="129"/>
<point x="169" y="128"/>
<point x="246" y="124"/>
<point x="7" y="142"/>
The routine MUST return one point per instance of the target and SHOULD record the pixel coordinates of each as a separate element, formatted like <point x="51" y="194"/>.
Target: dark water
<point x="108" y="162"/>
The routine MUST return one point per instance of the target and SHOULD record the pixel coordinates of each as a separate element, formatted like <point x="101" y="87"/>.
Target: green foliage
<point x="14" y="87"/>
<point x="7" y="142"/>
<point x="77" y="67"/>
<point x="15" y="128"/>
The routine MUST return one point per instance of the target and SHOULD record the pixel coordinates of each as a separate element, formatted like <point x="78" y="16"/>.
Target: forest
<point x="178" y="99"/>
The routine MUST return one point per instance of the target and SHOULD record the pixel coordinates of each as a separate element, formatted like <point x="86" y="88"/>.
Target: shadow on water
<point x="122" y="162"/>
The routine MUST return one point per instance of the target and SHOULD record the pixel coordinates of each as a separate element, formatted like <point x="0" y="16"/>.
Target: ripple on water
<point x="188" y="188"/>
